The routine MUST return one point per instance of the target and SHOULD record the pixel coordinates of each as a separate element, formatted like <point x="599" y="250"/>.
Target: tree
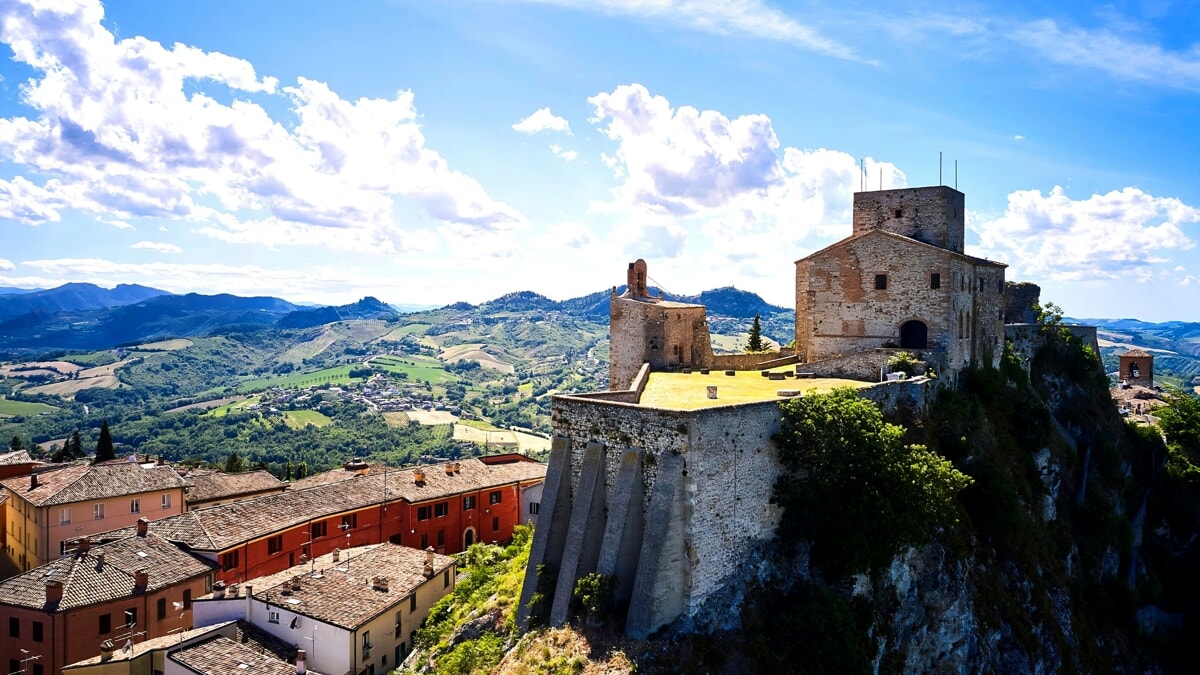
<point x="853" y="488"/>
<point x="15" y="444"/>
<point x="754" y="343"/>
<point x="104" y="446"/>
<point x="74" y="446"/>
<point x="235" y="463"/>
<point x="301" y="470"/>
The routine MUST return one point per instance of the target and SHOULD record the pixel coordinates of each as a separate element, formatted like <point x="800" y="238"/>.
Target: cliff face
<point x="1071" y="551"/>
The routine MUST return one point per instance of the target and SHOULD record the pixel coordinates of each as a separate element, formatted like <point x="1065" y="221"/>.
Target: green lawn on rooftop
<point x="680" y="391"/>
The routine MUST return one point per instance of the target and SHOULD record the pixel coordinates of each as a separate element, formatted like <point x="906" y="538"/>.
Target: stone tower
<point x="645" y="329"/>
<point x="1137" y="368"/>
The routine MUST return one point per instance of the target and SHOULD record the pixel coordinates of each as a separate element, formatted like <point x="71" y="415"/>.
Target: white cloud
<point x="6" y="265"/>
<point x="728" y="177"/>
<point x="543" y="120"/>
<point x="160" y="247"/>
<point x="1125" y="233"/>
<point x="1018" y="137"/>
<point x="568" y="155"/>
<point x="739" y="18"/>
<point x="127" y="128"/>
<point x="571" y="235"/>
<point x="119" y="224"/>
<point x="1107" y="51"/>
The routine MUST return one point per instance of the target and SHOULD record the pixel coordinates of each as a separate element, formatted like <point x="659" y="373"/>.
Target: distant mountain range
<point x="73" y="298"/>
<point x="88" y="317"/>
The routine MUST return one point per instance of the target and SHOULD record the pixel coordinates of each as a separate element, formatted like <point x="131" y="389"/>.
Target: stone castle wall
<point x="934" y="215"/>
<point x="704" y="481"/>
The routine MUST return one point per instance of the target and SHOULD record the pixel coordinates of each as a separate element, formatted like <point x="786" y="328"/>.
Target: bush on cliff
<point x="853" y="487"/>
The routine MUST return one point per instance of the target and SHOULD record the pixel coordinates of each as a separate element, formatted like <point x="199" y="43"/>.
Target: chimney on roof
<point x="143" y="527"/>
<point x="301" y="665"/>
<point x="106" y="650"/>
<point x="141" y="579"/>
<point x="357" y="465"/>
<point x="54" y="591"/>
<point x="337" y="554"/>
<point x="83" y="545"/>
<point x="33" y="481"/>
<point x="100" y="560"/>
<point x="418" y="475"/>
<point x="296" y="583"/>
<point x="219" y="589"/>
<point x="380" y="583"/>
<point x="428" y="571"/>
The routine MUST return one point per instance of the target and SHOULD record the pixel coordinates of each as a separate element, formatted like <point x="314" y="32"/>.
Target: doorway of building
<point x="468" y="538"/>
<point x="914" y="335"/>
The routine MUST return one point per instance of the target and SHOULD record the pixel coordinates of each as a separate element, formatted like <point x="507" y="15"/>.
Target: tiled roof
<point x="221" y="527"/>
<point x="15" y="457"/>
<point x="137" y="649"/>
<point x="83" y="482"/>
<point x="211" y="486"/>
<point x="341" y="593"/>
<point x="86" y="581"/>
<point x="1139" y="353"/>
<point x="223" y="656"/>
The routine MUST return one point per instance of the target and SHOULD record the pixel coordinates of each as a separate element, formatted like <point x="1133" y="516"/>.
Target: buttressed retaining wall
<point x="669" y="502"/>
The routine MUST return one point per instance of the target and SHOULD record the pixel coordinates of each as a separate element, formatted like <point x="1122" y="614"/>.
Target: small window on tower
<point x="935" y="280"/>
<point x="899" y="213"/>
<point x="881" y="282"/>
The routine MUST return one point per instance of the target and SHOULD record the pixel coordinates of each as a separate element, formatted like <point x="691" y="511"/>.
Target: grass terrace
<point x="689" y="391"/>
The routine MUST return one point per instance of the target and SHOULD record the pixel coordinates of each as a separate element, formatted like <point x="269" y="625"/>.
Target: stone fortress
<point x="673" y="499"/>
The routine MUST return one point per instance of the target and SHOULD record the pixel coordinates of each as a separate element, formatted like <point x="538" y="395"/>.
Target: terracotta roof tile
<point x="223" y="656"/>
<point x="83" y="482"/>
<point x="342" y="594"/>
<point x="87" y="581"/>
<point x="211" y="486"/>
<point x="16" y="457"/>
<point x="221" y="527"/>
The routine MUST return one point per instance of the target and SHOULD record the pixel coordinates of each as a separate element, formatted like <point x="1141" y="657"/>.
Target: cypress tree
<point x="104" y="446"/>
<point x="755" y="342"/>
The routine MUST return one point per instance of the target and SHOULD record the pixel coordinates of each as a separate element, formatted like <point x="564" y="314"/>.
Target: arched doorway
<point x="914" y="335"/>
<point x="468" y="538"/>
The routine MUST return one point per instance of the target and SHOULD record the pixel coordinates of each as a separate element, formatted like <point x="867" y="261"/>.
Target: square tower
<point x="933" y="215"/>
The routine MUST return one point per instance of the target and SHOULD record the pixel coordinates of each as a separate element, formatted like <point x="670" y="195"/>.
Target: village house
<point x="448" y="506"/>
<point x="207" y="488"/>
<point x="16" y="463"/>
<point x="357" y="609"/>
<point x="49" y="509"/>
<point x="129" y="590"/>
<point x="228" y="648"/>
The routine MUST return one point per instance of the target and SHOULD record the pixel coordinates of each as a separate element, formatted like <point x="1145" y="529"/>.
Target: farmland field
<point x="8" y="407"/>
<point x="419" y="368"/>
<point x="71" y="387"/>
<point x="475" y="352"/>
<point x="298" y="419"/>
<point x="165" y="345"/>
<point x="236" y="405"/>
<point x="406" y="330"/>
<point x="334" y="375"/>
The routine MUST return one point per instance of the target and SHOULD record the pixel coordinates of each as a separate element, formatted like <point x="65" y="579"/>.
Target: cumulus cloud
<point x="1124" y="233"/>
<point x="160" y="247"/>
<point x="6" y="265"/>
<point x="680" y="168"/>
<point x="128" y="128"/>
<point x="543" y="120"/>
<point x="571" y="235"/>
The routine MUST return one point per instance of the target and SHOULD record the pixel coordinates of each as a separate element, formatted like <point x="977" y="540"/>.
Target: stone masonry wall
<point x="663" y="334"/>
<point x="934" y="215"/>
<point x="729" y="467"/>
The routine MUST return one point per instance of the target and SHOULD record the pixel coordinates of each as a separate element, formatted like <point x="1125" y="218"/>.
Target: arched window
<point x="914" y="335"/>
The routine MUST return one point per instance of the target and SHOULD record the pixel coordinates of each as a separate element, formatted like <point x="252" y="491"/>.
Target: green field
<point x="93" y="359"/>
<point x="334" y="375"/>
<point x="419" y="369"/>
<point x="14" y="408"/>
<point x="236" y="405"/>
<point x="298" y="419"/>
<point x="480" y="424"/>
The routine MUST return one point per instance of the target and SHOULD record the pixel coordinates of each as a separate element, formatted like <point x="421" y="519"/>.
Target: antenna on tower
<point x="956" y="174"/>
<point x="862" y="172"/>
<point x="940" y="168"/>
<point x="881" y="178"/>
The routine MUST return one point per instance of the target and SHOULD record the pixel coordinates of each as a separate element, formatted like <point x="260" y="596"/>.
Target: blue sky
<point x="430" y="152"/>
